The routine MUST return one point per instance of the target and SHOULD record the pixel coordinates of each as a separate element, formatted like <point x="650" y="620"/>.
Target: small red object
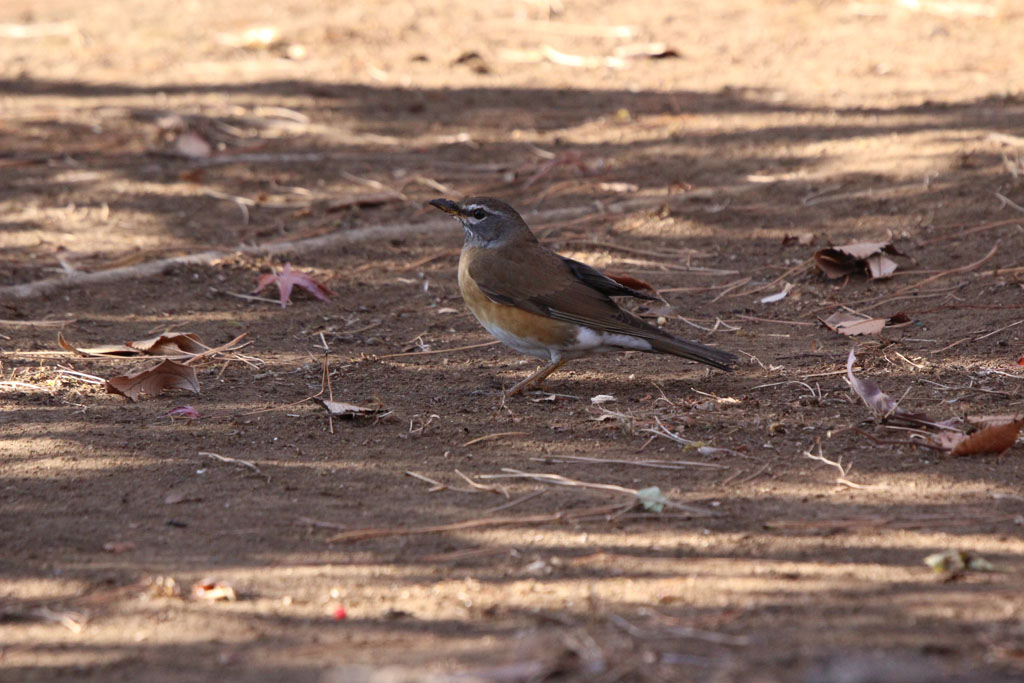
<point x="1020" y="361"/>
<point x="339" y="613"/>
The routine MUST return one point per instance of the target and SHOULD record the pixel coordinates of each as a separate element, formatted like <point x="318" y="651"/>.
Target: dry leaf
<point x="602" y="398"/>
<point x="848" y="323"/>
<point x="208" y="589"/>
<point x="287" y="279"/>
<point x="996" y="439"/>
<point x="167" y="375"/>
<point x="342" y="409"/>
<point x="166" y="344"/>
<point x="872" y="395"/>
<point x="170" y="343"/>
<point x="870" y="257"/>
<point x="105" y="350"/>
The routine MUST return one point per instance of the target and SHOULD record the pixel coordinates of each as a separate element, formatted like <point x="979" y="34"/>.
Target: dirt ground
<point x="134" y="133"/>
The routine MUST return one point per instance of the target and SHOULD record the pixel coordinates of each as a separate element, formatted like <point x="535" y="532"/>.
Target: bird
<point x="546" y="305"/>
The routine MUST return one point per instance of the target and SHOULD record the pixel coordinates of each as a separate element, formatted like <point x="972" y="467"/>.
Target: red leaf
<point x="287" y="279"/>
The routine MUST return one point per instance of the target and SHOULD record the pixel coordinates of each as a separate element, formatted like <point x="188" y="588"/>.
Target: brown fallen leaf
<point x="287" y="279"/>
<point x="342" y="409"/>
<point x="872" y="395"/>
<point x="870" y="257"/>
<point x="167" y="375"/>
<point x="170" y="343"/>
<point x="848" y="323"/>
<point x="166" y="344"/>
<point x="995" y="439"/>
<point x="104" y="350"/>
<point x="209" y="589"/>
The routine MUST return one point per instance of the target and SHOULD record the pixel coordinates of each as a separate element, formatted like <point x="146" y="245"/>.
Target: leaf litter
<point x="871" y="258"/>
<point x="154" y="381"/>
<point x="847" y="323"/>
<point x="998" y="434"/>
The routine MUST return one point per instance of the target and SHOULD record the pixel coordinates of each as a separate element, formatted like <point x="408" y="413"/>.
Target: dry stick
<point x="36" y="323"/>
<point x="500" y="490"/>
<point x="234" y="461"/>
<point x="729" y="287"/>
<point x="364" y="534"/>
<point x="971" y="231"/>
<point x="437" y="485"/>
<point x="464" y="554"/>
<point x="435" y="351"/>
<point x="489" y="437"/>
<point x="559" y="480"/>
<point x="967" y="339"/>
<point x="894" y="442"/>
<point x="961" y="269"/>
<point x="153" y="268"/>
<point x="513" y="503"/>
<point x="657" y="464"/>
<point x="230" y="346"/>
<point x="760" y="288"/>
<point x="770" y="320"/>
<point x="320" y="524"/>
<point x="690" y="253"/>
<point x="838" y="464"/>
<point x="744" y="480"/>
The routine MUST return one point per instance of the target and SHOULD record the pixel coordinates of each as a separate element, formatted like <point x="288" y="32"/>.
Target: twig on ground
<point x="515" y="502"/>
<point x="838" y="464"/>
<point x="491" y="437"/>
<point x="235" y="461"/>
<point x="500" y="490"/>
<point x="663" y="431"/>
<point x="646" y="634"/>
<point x="657" y="464"/>
<point x="977" y="338"/>
<point x="320" y="524"/>
<point x="559" y="480"/>
<point x="565" y="515"/>
<point x="951" y="271"/>
<point x="761" y="470"/>
<point x="435" y="351"/>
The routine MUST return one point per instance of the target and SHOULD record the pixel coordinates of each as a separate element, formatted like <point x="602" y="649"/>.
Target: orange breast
<point x="524" y="331"/>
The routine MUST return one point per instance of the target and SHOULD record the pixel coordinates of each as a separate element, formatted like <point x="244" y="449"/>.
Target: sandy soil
<point x="134" y="133"/>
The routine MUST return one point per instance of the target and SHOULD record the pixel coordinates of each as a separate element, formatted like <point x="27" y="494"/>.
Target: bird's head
<point x="488" y="222"/>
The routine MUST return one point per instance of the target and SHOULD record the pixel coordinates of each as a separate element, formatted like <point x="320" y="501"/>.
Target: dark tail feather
<point x="717" y="358"/>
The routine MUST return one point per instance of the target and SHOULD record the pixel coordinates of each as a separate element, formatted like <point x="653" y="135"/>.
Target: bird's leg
<point x="536" y="377"/>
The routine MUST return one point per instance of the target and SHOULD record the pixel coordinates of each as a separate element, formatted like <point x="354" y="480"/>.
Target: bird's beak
<point x="446" y="205"/>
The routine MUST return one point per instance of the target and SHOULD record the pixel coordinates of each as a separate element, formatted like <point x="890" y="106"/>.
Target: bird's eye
<point x="479" y="214"/>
